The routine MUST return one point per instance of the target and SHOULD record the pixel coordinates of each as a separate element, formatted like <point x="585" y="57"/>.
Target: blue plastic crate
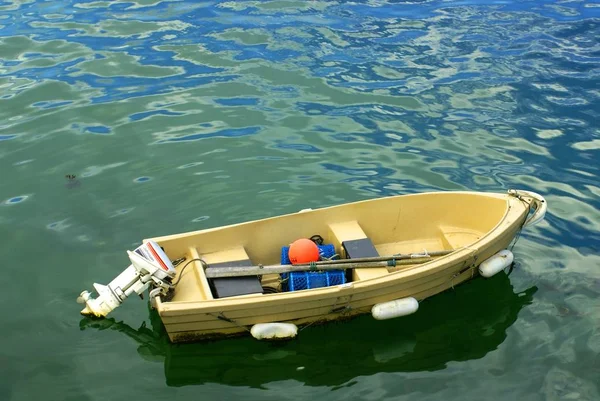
<point x="306" y="280"/>
<point x="296" y="281"/>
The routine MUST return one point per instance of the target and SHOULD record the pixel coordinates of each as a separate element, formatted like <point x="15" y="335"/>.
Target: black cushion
<point x="231" y="286"/>
<point x="360" y="248"/>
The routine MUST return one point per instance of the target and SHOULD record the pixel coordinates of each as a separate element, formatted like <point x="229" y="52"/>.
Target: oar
<point x="381" y="258"/>
<point x="383" y="261"/>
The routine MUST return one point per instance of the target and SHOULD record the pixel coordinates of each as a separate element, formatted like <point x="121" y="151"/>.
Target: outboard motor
<point x="150" y="266"/>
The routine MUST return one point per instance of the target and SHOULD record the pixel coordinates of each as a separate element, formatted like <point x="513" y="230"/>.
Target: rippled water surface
<point x="182" y="115"/>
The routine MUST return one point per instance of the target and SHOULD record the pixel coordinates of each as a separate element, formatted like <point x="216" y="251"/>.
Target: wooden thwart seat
<point x="353" y="241"/>
<point x="457" y="237"/>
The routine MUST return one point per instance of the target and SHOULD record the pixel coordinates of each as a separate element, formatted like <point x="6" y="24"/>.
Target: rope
<point x="177" y="262"/>
<point x="425" y="254"/>
<point x="311" y="323"/>
<point x="334" y="310"/>
<point x="329" y="259"/>
<point x="222" y="316"/>
<point x="518" y="235"/>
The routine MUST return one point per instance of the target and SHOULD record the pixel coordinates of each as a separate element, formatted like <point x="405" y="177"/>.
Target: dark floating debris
<point x="72" y="181"/>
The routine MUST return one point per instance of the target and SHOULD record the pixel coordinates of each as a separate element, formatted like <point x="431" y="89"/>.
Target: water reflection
<point x="458" y="325"/>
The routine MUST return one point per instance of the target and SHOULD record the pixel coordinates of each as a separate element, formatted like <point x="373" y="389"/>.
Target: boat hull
<point x="193" y="314"/>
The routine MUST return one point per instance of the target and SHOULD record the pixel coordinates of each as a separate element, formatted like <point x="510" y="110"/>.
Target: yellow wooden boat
<point x="388" y="254"/>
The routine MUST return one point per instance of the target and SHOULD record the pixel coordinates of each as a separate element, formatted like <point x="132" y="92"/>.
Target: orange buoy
<point x="303" y="251"/>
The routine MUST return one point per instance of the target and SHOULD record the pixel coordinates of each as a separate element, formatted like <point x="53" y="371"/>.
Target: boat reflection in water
<point x="457" y="325"/>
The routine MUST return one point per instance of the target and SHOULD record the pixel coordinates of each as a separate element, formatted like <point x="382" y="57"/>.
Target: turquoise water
<point x="180" y="115"/>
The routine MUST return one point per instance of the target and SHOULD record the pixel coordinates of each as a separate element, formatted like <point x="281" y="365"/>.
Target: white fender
<point x="496" y="263"/>
<point x="274" y="331"/>
<point x="396" y="308"/>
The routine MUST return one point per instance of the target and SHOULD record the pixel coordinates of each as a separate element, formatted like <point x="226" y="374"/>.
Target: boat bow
<point x="536" y="201"/>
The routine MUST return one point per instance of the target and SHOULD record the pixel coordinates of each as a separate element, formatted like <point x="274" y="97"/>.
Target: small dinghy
<point x="268" y="277"/>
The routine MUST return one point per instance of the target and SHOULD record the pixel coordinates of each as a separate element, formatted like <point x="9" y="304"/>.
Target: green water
<point x="178" y="116"/>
